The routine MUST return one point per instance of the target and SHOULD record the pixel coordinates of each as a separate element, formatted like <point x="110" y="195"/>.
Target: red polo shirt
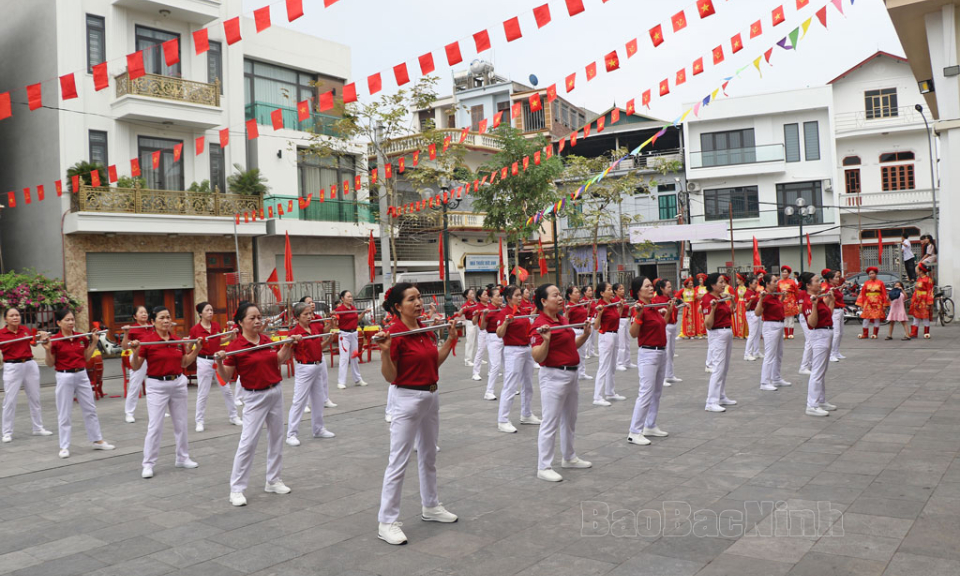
<point x="824" y="314"/>
<point x="140" y="332"/>
<point x="609" y="318"/>
<point x="162" y="359"/>
<point x="563" y="343"/>
<point x="468" y="309"/>
<point x="721" y="318"/>
<point x="494" y="318"/>
<point x="527" y="308"/>
<point x="663" y="300"/>
<point x="653" y="327"/>
<point x="518" y="333"/>
<point x="212" y="346"/>
<point x="258" y="369"/>
<point x="309" y="351"/>
<point x="69" y="354"/>
<point x="625" y="313"/>
<point x="416" y="356"/>
<point x="750" y="297"/>
<point x="576" y="314"/>
<point x="19" y="350"/>
<point x="347" y="322"/>
<point x="772" y="309"/>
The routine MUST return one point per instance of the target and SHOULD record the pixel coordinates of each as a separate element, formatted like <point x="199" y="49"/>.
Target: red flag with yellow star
<point x="515" y="111"/>
<point x="697" y="66"/>
<point x="756" y="29"/>
<point x="571" y="82"/>
<point x="681" y="77"/>
<point x="631" y="107"/>
<point x="736" y="44"/>
<point x="615" y="116"/>
<point x="497" y="118"/>
<point x="656" y="35"/>
<point x="679" y="21"/>
<point x="645" y="98"/>
<point x="717" y="55"/>
<point x="591" y="71"/>
<point x="551" y="93"/>
<point x="612" y="61"/>
<point x="777" y="15"/>
<point x="303" y="110"/>
<point x="631" y="48"/>
<point x="664" y="87"/>
<point x="705" y="8"/>
<point x="600" y="123"/>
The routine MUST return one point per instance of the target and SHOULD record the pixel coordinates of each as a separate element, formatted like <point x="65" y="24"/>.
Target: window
<point x="96" y="41"/>
<point x="744" y="201"/>
<point x="218" y="169"/>
<point x="149" y="41"/>
<point x="787" y="195"/>
<point x="268" y="87"/>
<point x="880" y="103"/>
<point x="426" y="120"/>
<point x="98" y="147"/>
<point x="897" y="157"/>
<point x="811" y="141"/>
<point x="565" y="116"/>
<point x="476" y="115"/>
<point x="899" y="176"/>
<point x="852" y="178"/>
<point x="791" y="142"/>
<point x="315" y="174"/>
<point x="668" y="206"/>
<point x="169" y="175"/>
<point x="503" y="106"/>
<point x="851" y="161"/>
<point x="730" y="147"/>
<point x="532" y="120"/>
<point x="215" y="64"/>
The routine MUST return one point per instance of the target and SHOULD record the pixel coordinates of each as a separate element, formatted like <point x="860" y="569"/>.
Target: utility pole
<point x="733" y="262"/>
<point x="385" y="260"/>
<point x="556" y="252"/>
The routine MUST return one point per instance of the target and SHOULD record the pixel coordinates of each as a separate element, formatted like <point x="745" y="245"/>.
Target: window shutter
<point x="811" y="140"/>
<point x="791" y="142"/>
<point x="138" y="271"/>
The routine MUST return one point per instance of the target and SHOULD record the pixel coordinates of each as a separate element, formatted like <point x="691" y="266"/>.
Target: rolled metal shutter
<point x="111" y="271"/>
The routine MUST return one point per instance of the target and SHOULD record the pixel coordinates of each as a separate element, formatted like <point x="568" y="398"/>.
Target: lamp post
<point x="802" y="211"/>
<point x="933" y="178"/>
<point x="452" y="203"/>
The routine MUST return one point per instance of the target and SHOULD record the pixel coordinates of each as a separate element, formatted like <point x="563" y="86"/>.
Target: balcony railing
<point x="318" y="123"/>
<point x="735" y="156"/>
<point x="164" y="202"/>
<point x="340" y="211"/>
<point x="465" y="220"/>
<point x="169" y="88"/>
<point x="883" y="118"/>
<point x="418" y="142"/>
<point x="918" y="199"/>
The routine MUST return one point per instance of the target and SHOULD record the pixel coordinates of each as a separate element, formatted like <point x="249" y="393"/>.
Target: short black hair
<point x="569" y="292"/>
<point x="712" y="280"/>
<point x="541" y="292"/>
<point x="806" y="278"/>
<point x="242" y="312"/>
<point x="636" y="284"/>
<point x="61" y="313"/>
<point x="156" y="311"/>
<point x="201" y="306"/>
<point x="660" y="285"/>
<point x="509" y="291"/>
<point x="344" y="293"/>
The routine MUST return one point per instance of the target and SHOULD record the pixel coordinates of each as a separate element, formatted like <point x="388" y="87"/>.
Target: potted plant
<point x="249" y="182"/>
<point x="83" y="170"/>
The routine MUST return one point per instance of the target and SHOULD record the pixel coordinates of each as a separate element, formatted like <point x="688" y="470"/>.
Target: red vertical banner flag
<point x="68" y="87"/>
<point x="135" y="67"/>
<point x="543" y="259"/>
<point x="499" y="255"/>
<point x="441" y="256"/>
<point x="757" y="264"/>
<point x="371" y="256"/>
<point x="34" y="96"/>
<point x="112" y="173"/>
<point x="879" y="247"/>
<point x="40" y="193"/>
<point x="26" y="195"/>
<point x="272" y="282"/>
<point x="809" y="251"/>
<point x="287" y="259"/>
<point x="177" y="151"/>
<point x="199" y="145"/>
<point x="261" y="18"/>
<point x="11" y="200"/>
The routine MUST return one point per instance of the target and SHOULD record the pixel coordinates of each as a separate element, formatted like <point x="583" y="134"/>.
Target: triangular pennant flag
<point x="756" y="64"/>
<point x="805" y="26"/>
<point x="696" y="109"/>
<point x="783" y="44"/>
<point x="822" y="16"/>
<point x="767" y="55"/>
<point x="839" y="5"/>
<point x="793" y="36"/>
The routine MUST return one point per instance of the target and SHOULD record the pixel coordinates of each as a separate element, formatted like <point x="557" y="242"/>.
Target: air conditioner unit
<point x="827" y="185"/>
<point x="692" y="186"/>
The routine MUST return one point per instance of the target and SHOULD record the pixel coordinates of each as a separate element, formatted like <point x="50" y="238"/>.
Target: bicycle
<point x="942" y="304"/>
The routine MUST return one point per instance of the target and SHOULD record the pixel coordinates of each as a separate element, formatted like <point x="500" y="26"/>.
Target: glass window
<point x="851" y="161"/>
<point x="896" y="157"/>
<point x="149" y="41"/>
<point x="96" y="41"/>
<point x="476" y="115"/>
<point x="178" y="299"/>
<point x="880" y="103"/>
<point x="898" y="177"/>
<point x="98" y="147"/>
<point x="169" y="174"/>
<point x="152" y="299"/>
<point x="787" y="195"/>
<point x="315" y="174"/>
<point x="729" y="147"/>
<point x="123" y="306"/>
<point x="218" y="168"/>
<point x="852" y="177"/>
<point x="744" y="201"/>
<point x="668" y="206"/>
<point x="791" y="142"/>
<point x="215" y="64"/>
<point x="532" y="120"/>
<point x="811" y="140"/>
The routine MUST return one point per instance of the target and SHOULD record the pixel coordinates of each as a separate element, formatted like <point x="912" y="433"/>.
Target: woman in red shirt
<point x="517" y="363"/>
<point x="664" y="294"/>
<point x="135" y="378"/>
<point x="20" y="370"/>
<point x="818" y="312"/>
<point x="489" y="321"/>
<point x="205" y="328"/>
<point x="483" y="304"/>
<point x="412" y="364"/>
<point x="717" y="320"/>
<point x="623" y="332"/>
<point x="556" y="352"/>
<point x="69" y="359"/>
<point x="166" y="388"/>
<point x="592" y="343"/>
<point x="259" y="373"/>
<point x="770" y="310"/>
<point x="649" y="327"/>
<point x="310" y="375"/>
<point x="470" y="329"/>
<point x="607" y="322"/>
<point x="752" y="350"/>
<point x="577" y="312"/>
<point x="348" y="318"/>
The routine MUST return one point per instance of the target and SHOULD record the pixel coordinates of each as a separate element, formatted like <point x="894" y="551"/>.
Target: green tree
<point x="83" y="170"/>
<point x="251" y="182"/>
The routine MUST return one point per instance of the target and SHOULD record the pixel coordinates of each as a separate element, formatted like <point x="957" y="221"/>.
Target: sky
<point x="383" y="33"/>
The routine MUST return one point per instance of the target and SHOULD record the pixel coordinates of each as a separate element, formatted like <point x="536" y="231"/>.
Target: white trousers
<point x="260" y="407"/>
<point x="70" y="385"/>
<point x="481" y="350"/>
<point x="607" y="367"/>
<point x="582" y="351"/>
<point x="166" y="396"/>
<point x="205" y="379"/>
<point x="416" y="418"/>
<point x="310" y="384"/>
<point x="623" y="342"/>
<point x="671" y="348"/>
<point x="652" y="366"/>
<point x="559" y="393"/>
<point x="788" y="322"/>
<point x="837" y="332"/>
<point x="753" y="337"/>
<point x="867" y="322"/>
<point x="721" y="342"/>
<point x="135" y="380"/>
<point x="517" y="373"/>
<point x="495" y="356"/>
<point x="594" y="341"/>
<point x="807" y="350"/>
<point x="25" y="375"/>
<point x="772" y="352"/>
<point x="712" y="351"/>
<point x="918" y="321"/>
<point x="348" y="345"/>
<point x="816" y="386"/>
<point x="391" y="401"/>
<point x="470" y="334"/>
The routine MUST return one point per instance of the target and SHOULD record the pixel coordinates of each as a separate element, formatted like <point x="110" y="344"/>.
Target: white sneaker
<point x="329" y="404"/>
<point x="768" y="387"/>
<point x="129" y="419"/>
<point x="674" y="380"/>
<point x="804" y="371"/>
<point x="7" y="438"/>
<point x="549" y="475"/>
<point x="307" y="410"/>
<point x="506" y="427"/>
<point x="576" y="463"/>
<point x="341" y="386"/>
<point x="834" y="359"/>
<point x="391" y="533"/>
<point x="292" y="441"/>
<point x="814" y="411"/>
<point x="42" y="432"/>
<point x="199" y="427"/>
<point x="621" y="368"/>
<point x="483" y="361"/>
<point x="828" y="406"/>
<point x="667" y="384"/>
<point x="709" y="369"/>
<point x="64" y="453"/>
<point x="588" y="356"/>
<point x="437" y="514"/>
<point x="655" y="432"/>
<point x="715" y="408"/>
<point x="601" y="402"/>
<point x="517" y="393"/>
<point x="236" y="421"/>
<point x="360" y="383"/>
<point x="727" y="402"/>
<point x="238" y="499"/>
<point x="103" y="445"/>
<point x="324" y="433"/>
<point x="277" y="487"/>
<point x="238" y="402"/>
<point x="616" y="397"/>
<point x="631" y="365"/>
<point x="147" y="472"/>
<point x="586" y="377"/>
<point x="759" y="355"/>
<point x="782" y="382"/>
<point x="841" y="356"/>
<point x="531" y="419"/>
<point x="388" y="418"/>
<point x="489" y="396"/>
<point x="638" y="439"/>
<point x="475" y="377"/>
<point x="468" y="363"/>
<point x="750" y="358"/>
<point x="188" y="463"/>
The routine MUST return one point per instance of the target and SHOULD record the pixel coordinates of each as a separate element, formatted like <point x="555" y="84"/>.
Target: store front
<point x="480" y="269"/>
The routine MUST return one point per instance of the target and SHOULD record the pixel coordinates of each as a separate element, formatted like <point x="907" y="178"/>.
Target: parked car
<point x="851" y="312"/>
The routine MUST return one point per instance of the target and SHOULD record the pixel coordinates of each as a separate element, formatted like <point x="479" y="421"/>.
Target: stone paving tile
<point x="816" y="564"/>
<point x="905" y="564"/>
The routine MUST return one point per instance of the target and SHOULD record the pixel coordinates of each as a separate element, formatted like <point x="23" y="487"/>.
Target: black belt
<point x="17" y="361"/>
<point x="653" y="347"/>
<point x="72" y="370"/>
<point x="516" y="345"/>
<point x="565" y="368"/>
<point x="350" y="331"/>
<point x="724" y="328"/>
<point x="310" y="363"/>
<point x="431" y="388"/>
<point x="822" y="328"/>
<point x="206" y="357"/>
<point x="167" y="378"/>
<point x="261" y="389"/>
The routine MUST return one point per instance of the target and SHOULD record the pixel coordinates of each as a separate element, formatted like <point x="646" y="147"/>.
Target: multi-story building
<point x="883" y="169"/>
<point x="170" y="238"/>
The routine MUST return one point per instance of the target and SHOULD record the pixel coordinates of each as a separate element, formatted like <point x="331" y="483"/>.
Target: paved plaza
<point x="759" y="490"/>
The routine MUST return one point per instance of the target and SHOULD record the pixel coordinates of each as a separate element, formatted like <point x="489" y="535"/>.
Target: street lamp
<point x="933" y="178"/>
<point x="451" y="203"/>
<point x="801" y="211"/>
